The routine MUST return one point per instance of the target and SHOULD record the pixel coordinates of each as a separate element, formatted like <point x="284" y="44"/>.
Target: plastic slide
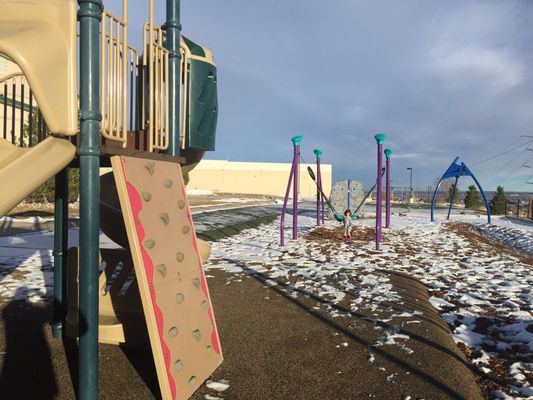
<point x="23" y="170"/>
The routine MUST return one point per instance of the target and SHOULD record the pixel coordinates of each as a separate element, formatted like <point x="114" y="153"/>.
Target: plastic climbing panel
<point x="346" y="194"/>
<point x="178" y="310"/>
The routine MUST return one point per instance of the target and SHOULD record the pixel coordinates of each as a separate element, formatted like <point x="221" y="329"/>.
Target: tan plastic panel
<point x="120" y="319"/>
<point x="111" y="219"/>
<point x="120" y="312"/>
<point x="174" y="294"/>
<point x="23" y="171"/>
<point x="40" y="37"/>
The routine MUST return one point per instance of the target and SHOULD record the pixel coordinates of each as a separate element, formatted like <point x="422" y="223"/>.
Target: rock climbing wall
<point x="346" y="194"/>
<point x="170" y="276"/>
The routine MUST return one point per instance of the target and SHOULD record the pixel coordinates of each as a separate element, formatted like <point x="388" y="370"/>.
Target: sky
<point x="440" y="78"/>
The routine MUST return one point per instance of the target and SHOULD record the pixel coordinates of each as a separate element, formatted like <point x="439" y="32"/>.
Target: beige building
<point x="255" y="178"/>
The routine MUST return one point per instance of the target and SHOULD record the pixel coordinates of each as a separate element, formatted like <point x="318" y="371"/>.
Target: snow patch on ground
<point x="513" y="236"/>
<point x="218" y="386"/>
<point x="26" y="261"/>
<point x="485" y="296"/>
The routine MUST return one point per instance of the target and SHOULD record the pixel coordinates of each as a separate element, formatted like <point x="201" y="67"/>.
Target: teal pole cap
<point x="380" y="138"/>
<point x="388" y="153"/>
<point x="296" y="140"/>
<point x="318" y="153"/>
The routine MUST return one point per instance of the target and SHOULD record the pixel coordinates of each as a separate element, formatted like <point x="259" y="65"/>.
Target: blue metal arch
<point x="456" y="170"/>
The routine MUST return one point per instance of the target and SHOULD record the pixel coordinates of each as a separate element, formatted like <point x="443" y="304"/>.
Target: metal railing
<point x="116" y="58"/>
<point x="184" y="90"/>
<point x="21" y="121"/>
<point x="155" y="71"/>
<point x="134" y="90"/>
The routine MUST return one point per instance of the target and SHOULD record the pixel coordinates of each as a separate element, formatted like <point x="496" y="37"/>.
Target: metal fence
<point x="21" y="121"/>
<point x="522" y="209"/>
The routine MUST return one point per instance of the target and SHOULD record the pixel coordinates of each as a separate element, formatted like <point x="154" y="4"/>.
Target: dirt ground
<point x="499" y="378"/>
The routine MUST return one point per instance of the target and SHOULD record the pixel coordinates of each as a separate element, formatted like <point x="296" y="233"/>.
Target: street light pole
<point x="410" y="183"/>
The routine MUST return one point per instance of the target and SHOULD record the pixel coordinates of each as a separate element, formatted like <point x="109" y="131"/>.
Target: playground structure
<point x="293" y="181"/>
<point x="338" y="197"/>
<point x="456" y="170"/>
<point x="150" y="115"/>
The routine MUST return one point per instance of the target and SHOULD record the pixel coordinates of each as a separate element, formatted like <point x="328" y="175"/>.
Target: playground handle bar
<point x="313" y="177"/>
<point x="369" y="192"/>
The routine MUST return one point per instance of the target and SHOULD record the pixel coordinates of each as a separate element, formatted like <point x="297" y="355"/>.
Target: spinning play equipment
<point x="380" y="139"/>
<point x="323" y="196"/>
<point x="368" y="194"/>
<point x="456" y="170"/>
<point x="150" y="115"/>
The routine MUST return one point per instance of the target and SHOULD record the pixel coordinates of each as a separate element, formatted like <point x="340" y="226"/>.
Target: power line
<point x="495" y="169"/>
<point x="503" y="170"/>
<point x="502" y="153"/>
<point x="516" y="186"/>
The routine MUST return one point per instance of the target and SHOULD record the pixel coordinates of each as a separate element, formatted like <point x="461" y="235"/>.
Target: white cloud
<point x="473" y="47"/>
<point x="496" y="70"/>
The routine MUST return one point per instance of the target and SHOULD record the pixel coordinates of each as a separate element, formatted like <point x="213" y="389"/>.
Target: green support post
<point x="60" y="251"/>
<point x="173" y="29"/>
<point x="89" y="16"/>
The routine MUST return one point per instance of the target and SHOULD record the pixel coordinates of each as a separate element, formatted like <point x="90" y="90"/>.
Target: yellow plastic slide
<point x="23" y="170"/>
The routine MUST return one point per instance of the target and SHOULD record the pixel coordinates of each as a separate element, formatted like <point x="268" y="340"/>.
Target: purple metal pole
<point x="388" y="153"/>
<point x="318" y="195"/>
<point x="323" y="214"/>
<point x="322" y="201"/>
<point x="380" y="138"/>
<point x="293" y="175"/>
<point x="284" y="208"/>
<point x="319" y="200"/>
<point x="295" y="191"/>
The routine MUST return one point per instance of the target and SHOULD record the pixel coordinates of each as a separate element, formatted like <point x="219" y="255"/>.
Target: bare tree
<point x="444" y="190"/>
